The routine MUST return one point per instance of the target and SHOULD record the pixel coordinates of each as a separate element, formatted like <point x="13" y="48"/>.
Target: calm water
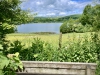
<point x="39" y="27"/>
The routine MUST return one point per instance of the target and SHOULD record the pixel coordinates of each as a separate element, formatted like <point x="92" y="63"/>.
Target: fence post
<point x="88" y="70"/>
<point x="60" y="41"/>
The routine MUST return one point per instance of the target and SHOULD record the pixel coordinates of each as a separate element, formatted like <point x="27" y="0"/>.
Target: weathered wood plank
<point x="57" y="68"/>
<point x="58" y="65"/>
<point x="55" y="71"/>
<point x="43" y="74"/>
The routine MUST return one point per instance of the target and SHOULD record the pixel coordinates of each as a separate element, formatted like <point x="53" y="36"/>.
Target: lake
<point x="39" y="27"/>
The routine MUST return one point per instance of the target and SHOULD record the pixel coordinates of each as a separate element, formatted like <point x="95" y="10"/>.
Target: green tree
<point x="96" y="17"/>
<point x="86" y="17"/>
<point x="68" y="26"/>
<point x="91" y="15"/>
<point x="10" y="12"/>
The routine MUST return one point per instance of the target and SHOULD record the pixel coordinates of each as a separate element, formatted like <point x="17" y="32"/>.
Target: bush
<point x="87" y="50"/>
<point x="80" y="51"/>
<point x="79" y="28"/>
<point x="74" y="26"/>
<point x="67" y="27"/>
<point x="16" y="46"/>
<point x="10" y="64"/>
<point x="98" y="68"/>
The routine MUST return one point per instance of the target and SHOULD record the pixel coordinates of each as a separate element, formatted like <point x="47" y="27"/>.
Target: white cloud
<point x="55" y="7"/>
<point x="50" y="14"/>
<point x="62" y="13"/>
<point x="51" y="6"/>
<point x="39" y="3"/>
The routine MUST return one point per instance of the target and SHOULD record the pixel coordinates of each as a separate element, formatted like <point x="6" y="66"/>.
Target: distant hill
<point x="71" y="16"/>
<point x="54" y="19"/>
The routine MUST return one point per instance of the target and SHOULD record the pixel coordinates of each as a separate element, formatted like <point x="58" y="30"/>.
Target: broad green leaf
<point x="1" y="72"/>
<point x="3" y="61"/>
<point x="16" y="54"/>
<point x="35" y="55"/>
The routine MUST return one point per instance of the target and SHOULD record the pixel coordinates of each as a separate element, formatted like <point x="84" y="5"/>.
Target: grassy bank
<point x="50" y="38"/>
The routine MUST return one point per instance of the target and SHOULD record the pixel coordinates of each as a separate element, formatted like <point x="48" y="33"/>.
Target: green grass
<point x="50" y="38"/>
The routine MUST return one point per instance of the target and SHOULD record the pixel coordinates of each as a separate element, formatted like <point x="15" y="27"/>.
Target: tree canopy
<point x="91" y="15"/>
<point x="10" y="15"/>
<point x="10" y="12"/>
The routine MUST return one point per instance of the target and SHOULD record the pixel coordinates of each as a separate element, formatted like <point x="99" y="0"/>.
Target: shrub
<point x="74" y="26"/>
<point x="5" y="29"/>
<point x="67" y="27"/>
<point x="79" y="28"/>
<point x="63" y="27"/>
<point x="80" y="51"/>
<point x="16" y="46"/>
<point x="10" y="64"/>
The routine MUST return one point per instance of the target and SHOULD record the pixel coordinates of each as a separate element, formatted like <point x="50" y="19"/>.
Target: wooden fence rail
<point x="57" y="68"/>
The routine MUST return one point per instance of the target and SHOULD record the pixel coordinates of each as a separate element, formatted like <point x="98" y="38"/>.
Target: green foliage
<point x="86" y="17"/>
<point x="80" y="51"/>
<point x="79" y="28"/>
<point x="54" y="19"/>
<point x="36" y="48"/>
<point x="87" y="50"/>
<point x="5" y="29"/>
<point x="96" y="40"/>
<point x="39" y="51"/>
<point x="10" y="12"/>
<point x="16" y="46"/>
<point x="68" y="26"/>
<point x="75" y="26"/>
<point x="8" y="65"/>
<point x="91" y="15"/>
<point x="37" y="45"/>
<point x="3" y="63"/>
<point x="63" y="27"/>
<point x="98" y="68"/>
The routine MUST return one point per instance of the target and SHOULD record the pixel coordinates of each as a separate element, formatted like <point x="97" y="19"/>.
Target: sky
<point x="55" y="7"/>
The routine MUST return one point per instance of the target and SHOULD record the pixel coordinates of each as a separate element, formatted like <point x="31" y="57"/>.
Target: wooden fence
<point x="57" y="68"/>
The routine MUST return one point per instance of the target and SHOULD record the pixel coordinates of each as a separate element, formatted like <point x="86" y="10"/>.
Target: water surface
<point x="39" y="27"/>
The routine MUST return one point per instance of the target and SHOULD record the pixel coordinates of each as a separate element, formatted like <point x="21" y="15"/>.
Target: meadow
<point x="76" y="47"/>
<point x="53" y="39"/>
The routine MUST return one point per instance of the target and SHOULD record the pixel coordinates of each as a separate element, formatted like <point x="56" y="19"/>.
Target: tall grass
<point x="76" y="47"/>
<point x="27" y="39"/>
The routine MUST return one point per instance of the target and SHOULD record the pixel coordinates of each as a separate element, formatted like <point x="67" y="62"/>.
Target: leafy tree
<point x="68" y="26"/>
<point x="10" y="12"/>
<point x="96" y="16"/>
<point x="86" y="16"/>
<point x="91" y="15"/>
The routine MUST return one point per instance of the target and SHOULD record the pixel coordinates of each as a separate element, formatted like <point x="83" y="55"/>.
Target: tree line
<point x="89" y="21"/>
<point x="54" y="19"/>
